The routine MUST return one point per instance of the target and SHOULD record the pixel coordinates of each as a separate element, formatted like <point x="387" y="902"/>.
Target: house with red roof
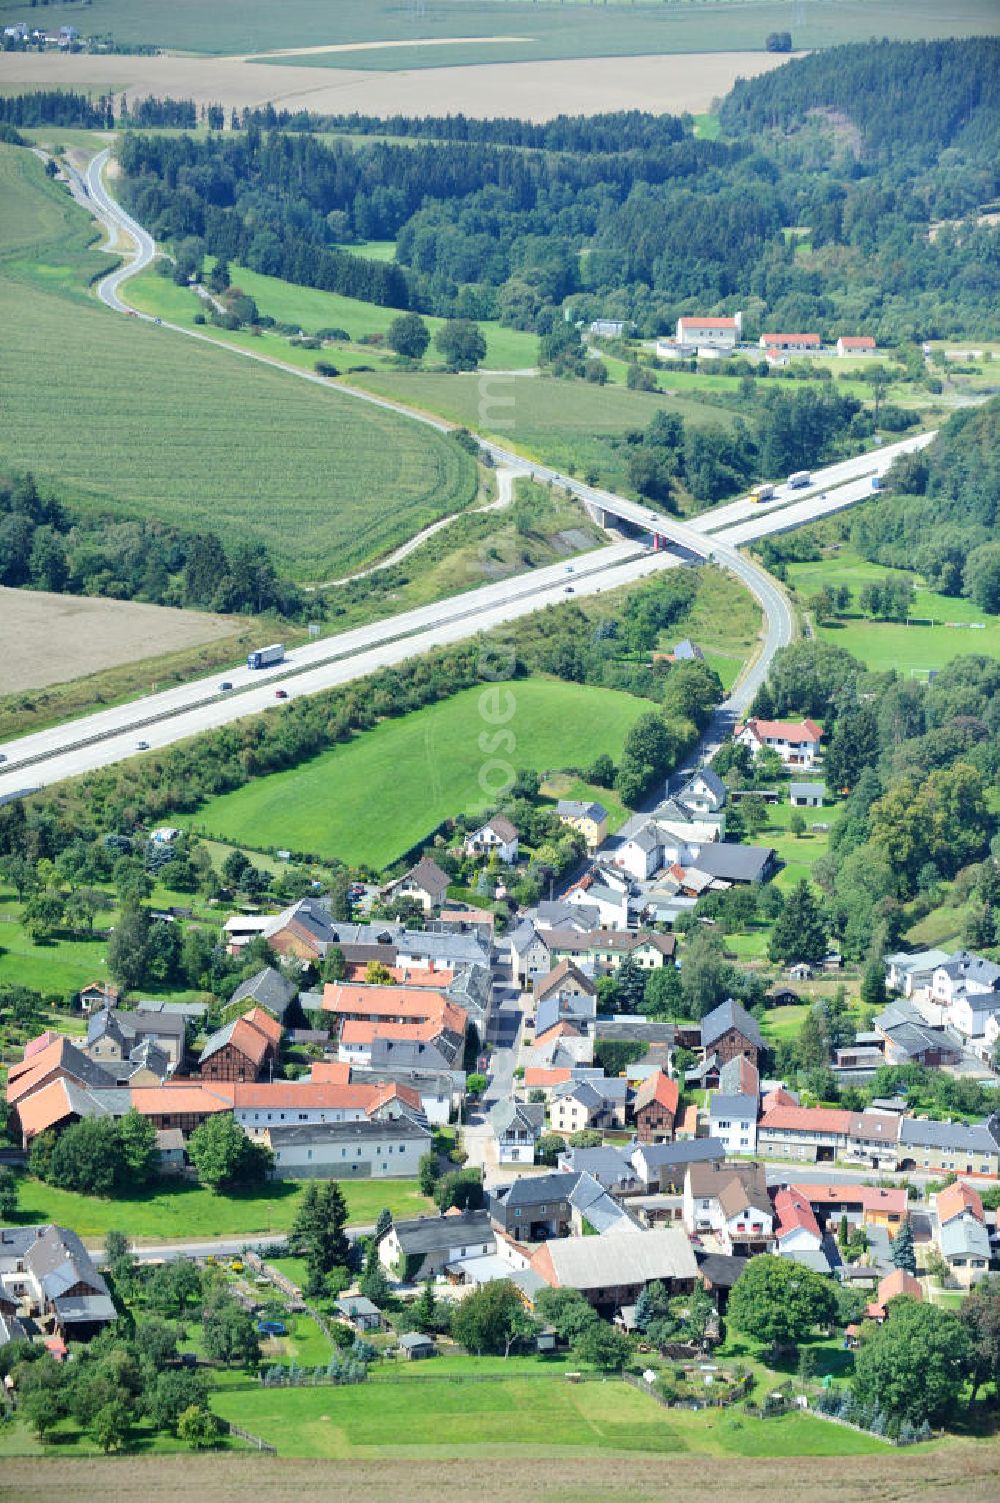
<point x="797" y="742"/>
<point x="790" y="342"/>
<point x="856" y="344"/>
<point x="798" y="1230"/>
<point x="654" y="1108"/>
<point x="715" y="333"/>
<point x="897" y="1283"/>
<point x="245" y="1049"/>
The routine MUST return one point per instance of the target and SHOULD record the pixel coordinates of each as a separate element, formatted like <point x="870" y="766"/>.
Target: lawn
<point x="162" y="427"/>
<point x="176" y="1211"/>
<point x="883" y="644"/>
<point x="430" y="1415"/>
<point x="782" y="1024"/>
<point x="568" y="424"/>
<point x="371" y="800"/>
<point x="798" y="854"/>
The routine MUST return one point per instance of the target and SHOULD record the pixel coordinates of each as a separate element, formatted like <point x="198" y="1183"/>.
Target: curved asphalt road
<point x="109" y="736"/>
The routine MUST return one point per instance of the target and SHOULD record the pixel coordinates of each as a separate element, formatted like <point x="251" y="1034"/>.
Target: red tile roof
<point x="264" y="1023"/>
<point x="898" y="1282"/>
<point x="790" y="339"/>
<point x="807" y="1119"/>
<point x="793" y="731"/>
<point x="536" y="1075"/>
<point x="868" y="1198"/>
<point x="304" y="1095"/>
<point x="708" y="323"/>
<point x="794" y="1213"/>
<point x="36" y="1045"/>
<point x="330" y="1072"/>
<point x="187" y="1098"/>
<point x="417" y="1003"/>
<point x="660" y="1088"/>
<point x="857" y="341"/>
<point x="44" y="1109"/>
<point x="957" y="1199"/>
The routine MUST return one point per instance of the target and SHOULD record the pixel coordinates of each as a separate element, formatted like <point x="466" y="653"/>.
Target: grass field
<point x="369" y="801"/>
<point x="568" y="424"/>
<point x="884" y="644"/>
<point x="170" y="1212"/>
<point x="536" y="1414"/>
<point x="140" y="420"/>
<point x="313" y="310"/>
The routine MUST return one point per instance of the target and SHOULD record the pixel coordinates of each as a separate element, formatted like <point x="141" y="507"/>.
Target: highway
<point x="159" y="720"/>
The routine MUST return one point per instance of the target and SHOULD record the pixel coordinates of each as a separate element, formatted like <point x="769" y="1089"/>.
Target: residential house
<point x="425" y="883"/>
<point x="304" y="931"/>
<point x="704" y="792"/>
<point x="729" y="1030"/>
<point x="303" y="1103"/>
<point x="910" y="974"/>
<point x="662" y="1167"/>
<point x="806" y="795"/>
<point x="908" y="1039"/>
<point x="612" y="1271"/>
<point x="739" y="1077"/>
<point x="533" y="1207"/>
<point x="607" y="328"/>
<point x="590" y="819"/>
<point x="797" y="742"/>
<point x="863" y="1205"/>
<point x="415" y="1346"/>
<point x="435" y="1045"/>
<point x="597" y="1101"/>
<point x="438" y="1092"/>
<point x="967" y="989"/>
<point x="965" y="1246"/>
<point x="565" y="979"/>
<point x="729" y="1203"/>
<point x="801" y="342"/>
<point x="268" y="988"/>
<point x="112" y="1035"/>
<point x="499" y="836"/>
<point x="577" y="1012"/>
<point x="383" y="1004"/>
<point x="245" y="1049"/>
<point x="733" y="1120"/>
<point x="611" y="1167"/>
<point x="647" y="949"/>
<point x="856" y="344"/>
<point x="418" y="1249"/>
<point x="952" y="1147"/>
<point x="797" y="1230"/>
<point x="59" y="1059"/>
<point x="595" y="1212"/>
<point x="610" y="902"/>
<point x="517" y="1126"/>
<point x="713" y="333"/>
<point x="529" y="953"/>
<point x="48" y="1276"/>
<point x="97" y="994"/>
<point x="555" y="913"/>
<point x="387" y="1149"/>
<point x="824" y="1134"/>
<point x="654" y="1108"/>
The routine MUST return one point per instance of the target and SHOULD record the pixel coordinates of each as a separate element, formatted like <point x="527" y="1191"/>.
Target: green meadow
<point x="372" y="799"/>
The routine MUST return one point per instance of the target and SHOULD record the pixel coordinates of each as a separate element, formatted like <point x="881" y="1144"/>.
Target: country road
<point x="159" y="720"/>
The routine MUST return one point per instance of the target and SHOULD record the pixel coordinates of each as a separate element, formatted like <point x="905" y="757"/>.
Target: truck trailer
<point x="762" y="493"/>
<point x="800" y="478"/>
<point x="266" y="657"/>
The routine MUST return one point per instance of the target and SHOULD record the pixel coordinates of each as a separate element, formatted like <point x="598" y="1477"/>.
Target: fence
<point x="723" y="1401"/>
<point x="254" y="1440"/>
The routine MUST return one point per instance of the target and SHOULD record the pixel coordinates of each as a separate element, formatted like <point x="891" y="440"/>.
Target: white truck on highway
<point x="266" y="657"/>
<point x="800" y="478"/>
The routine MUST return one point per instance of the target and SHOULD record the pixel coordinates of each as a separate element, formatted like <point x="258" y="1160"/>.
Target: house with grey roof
<point x="704" y="792"/>
<point x="806" y="795"/>
<point x="912" y="973"/>
<point x="661" y="1167"/>
<point x="599" y="1102"/>
<point x="725" y="862"/>
<point x="733" y="1120"/>
<point x="612" y="1271"/>
<point x="268" y="988"/>
<point x="417" y="1249"/>
<point x="517" y="1127"/>
<point x="965" y="1247"/>
<point x="954" y="1147"/>
<point x="595" y="1211"/>
<point x="425" y="883"/>
<point x="611" y="1167"/>
<point x="48" y="1273"/>
<point x="578" y="1009"/>
<point x="557" y="913"/>
<point x="729" y="1030"/>
<point x="533" y="1207"/>
<point x="907" y="1038"/>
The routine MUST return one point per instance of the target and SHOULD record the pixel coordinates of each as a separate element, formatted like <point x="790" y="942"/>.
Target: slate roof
<point x="534" y="1189"/>
<point x="964" y="966"/>
<point x="720" y="1270"/>
<point x="269" y="988"/>
<point x="734" y="863"/>
<point x="742" y="1108"/>
<point x="286" y="1135"/>
<point x="959" y="1136"/>
<point x="631" y="1257"/>
<point x="731" y="1014"/>
<point x="520" y="1116"/>
<point x="427" y="1234"/>
<point x="568" y="1008"/>
<point x="965" y="1237"/>
<point x="571" y="808"/>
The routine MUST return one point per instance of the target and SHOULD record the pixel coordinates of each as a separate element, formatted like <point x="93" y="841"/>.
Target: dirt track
<point x="50" y="639"/>
<point x="957" y="1471"/>
<point x="535" y="91"/>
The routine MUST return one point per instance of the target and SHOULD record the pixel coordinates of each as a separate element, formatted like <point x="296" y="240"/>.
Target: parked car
<point x="281" y="693"/>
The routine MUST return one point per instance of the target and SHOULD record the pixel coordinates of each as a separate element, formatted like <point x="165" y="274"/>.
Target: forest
<point x="943" y="516"/>
<point x="48" y="544"/>
<point x="816" y="209"/>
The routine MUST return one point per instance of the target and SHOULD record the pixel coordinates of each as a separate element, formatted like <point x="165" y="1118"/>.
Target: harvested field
<point x="956" y="1469"/>
<point x="533" y="90"/>
<point x="62" y="637"/>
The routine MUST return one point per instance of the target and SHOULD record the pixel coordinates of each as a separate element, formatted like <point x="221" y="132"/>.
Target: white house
<point x="856" y="344"/>
<point x="529" y="953"/>
<point x="797" y="742"/>
<point x="798" y="1230"/>
<point x="729" y="1204"/>
<point x="806" y="795"/>
<point x="517" y="1126"/>
<point x="913" y="974"/>
<point x="733" y="1120"/>
<point x="642" y="853"/>
<point x="349" y="1150"/>
<point x="611" y="904"/>
<point x="716" y="333"/>
<point x="704" y="792"/>
<point x="965" y="974"/>
<point x="499" y="835"/>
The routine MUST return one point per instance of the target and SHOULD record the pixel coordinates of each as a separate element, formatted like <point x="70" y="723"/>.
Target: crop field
<point x="887" y="644"/>
<point x="170" y="1211"/>
<point x="537" y="30"/>
<point x="312" y="310"/>
<point x="571" y="425"/>
<point x="140" y="420"/>
<point x="60" y="637"/>
<point x="409" y="774"/>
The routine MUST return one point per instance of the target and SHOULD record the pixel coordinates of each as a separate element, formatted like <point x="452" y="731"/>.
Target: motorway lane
<point x="198" y="707"/>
